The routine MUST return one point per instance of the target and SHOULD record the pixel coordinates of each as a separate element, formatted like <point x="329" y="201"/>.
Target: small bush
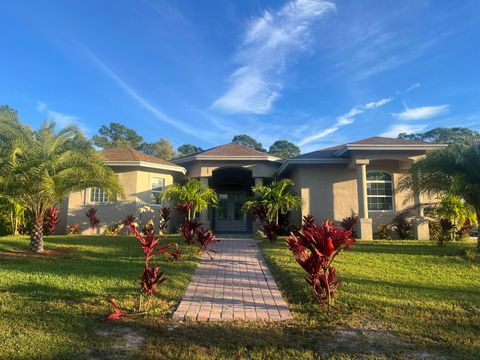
<point x="165" y="213"/>
<point x="73" y="229"/>
<point x="349" y="224"/>
<point x="402" y="227"/>
<point x="112" y="230"/>
<point x="384" y="232"/>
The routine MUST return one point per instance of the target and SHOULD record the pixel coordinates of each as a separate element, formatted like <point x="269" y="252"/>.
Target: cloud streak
<point x="269" y="41"/>
<point x="394" y="130"/>
<point x="60" y="118"/>
<point x="138" y="98"/>
<point x="422" y="112"/>
<point x="345" y="119"/>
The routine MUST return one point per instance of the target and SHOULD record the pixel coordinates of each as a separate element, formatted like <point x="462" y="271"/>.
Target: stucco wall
<point x="136" y="183"/>
<point x="330" y="191"/>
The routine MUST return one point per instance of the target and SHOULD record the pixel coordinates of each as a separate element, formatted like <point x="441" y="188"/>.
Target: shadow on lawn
<point x="404" y="248"/>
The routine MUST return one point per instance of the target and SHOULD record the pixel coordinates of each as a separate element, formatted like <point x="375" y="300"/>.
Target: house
<point x="358" y="178"/>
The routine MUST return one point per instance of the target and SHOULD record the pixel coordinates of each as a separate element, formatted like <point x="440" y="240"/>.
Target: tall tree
<point x="162" y="149"/>
<point x="248" y="141"/>
<point x="456" y="135"/>
<point x="188" y="149"/>
<point x="284" y="149"/>
<point x="39" y="168"/>
<point x="454" y="170"/>
<point x="117" y="135"/>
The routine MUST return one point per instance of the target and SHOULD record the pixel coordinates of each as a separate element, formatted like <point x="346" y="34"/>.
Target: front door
<point x="229" y="216"/>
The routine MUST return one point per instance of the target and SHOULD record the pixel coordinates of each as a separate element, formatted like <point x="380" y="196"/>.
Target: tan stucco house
<point x="357" y="178"/>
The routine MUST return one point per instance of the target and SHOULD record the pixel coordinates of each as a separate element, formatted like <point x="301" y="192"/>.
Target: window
<point x="379" y="191"/>
<point x="158" y="185"/>
<point x="98" y="196"/>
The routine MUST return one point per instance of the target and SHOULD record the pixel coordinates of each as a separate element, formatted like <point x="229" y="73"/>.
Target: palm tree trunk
<point x="36" y="237"/>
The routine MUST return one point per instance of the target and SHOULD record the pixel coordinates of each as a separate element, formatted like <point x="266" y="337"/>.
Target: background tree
<point x="39" y="168"/>
<point x="456" y="135"/>
<point x="188" y="149"/>
<point x="454" y="170"/>
<point x="117" y="135"/>
<point x="162" y="149"/>
<point x="275" y="197"/>
<point x="248" y="141"/>
<point x="284" y="149"/>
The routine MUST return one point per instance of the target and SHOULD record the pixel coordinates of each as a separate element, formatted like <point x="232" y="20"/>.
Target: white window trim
<point x="90" y="201"/>
<point x="385" y="196"/>
<point x="156" y="191"/>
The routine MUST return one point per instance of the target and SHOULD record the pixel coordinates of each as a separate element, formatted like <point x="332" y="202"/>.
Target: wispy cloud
<point x="139" y="99"/>
<point x="269" y="41"/>
<point x="60" y="118"/>
<point x="394" y="130"/>
<point x="412" y="87"/>
<point x="345" y="119"/>
<point x="422" y="112"/>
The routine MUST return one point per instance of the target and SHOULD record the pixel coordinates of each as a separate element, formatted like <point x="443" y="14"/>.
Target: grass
<point x="52" y="306"/>
<point x="427" y="296"/>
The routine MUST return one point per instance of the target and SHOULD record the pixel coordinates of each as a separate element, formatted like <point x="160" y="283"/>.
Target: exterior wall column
<point x="420" y="223"/>
<point x="365" y="223"/>
<point x="256" y="224"/>
<point x="204" y="214"/>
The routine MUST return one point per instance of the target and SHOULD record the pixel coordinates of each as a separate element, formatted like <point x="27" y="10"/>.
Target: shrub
<point x="434" y="229"/>
<point x="349" y="224"/>
<point x="165" y="213"/>
<point x="73" y="229"/>
<point x="92" y="218"/>
<point x="384" y="232"/>
<point x="51" y="220"/>
<point x="446" y="231"/>
<point x="463" y="231"/>
<point x="187" y="229"/>
<point x="315" y="248"/>
<point x="204" y="238"/>
<point x="112" y="230"/>
<point x="402" y="227"/>
<point x="308" y="221"/>
<point x="148" y="228"/>
<point x="271" y="230"/>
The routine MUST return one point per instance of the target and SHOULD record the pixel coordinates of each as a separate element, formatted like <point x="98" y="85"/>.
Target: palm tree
<point x="193" y="191"/>
<point x="39" y="168"/>
<point x="454" y="170"/>
<point x="275" y="198"/>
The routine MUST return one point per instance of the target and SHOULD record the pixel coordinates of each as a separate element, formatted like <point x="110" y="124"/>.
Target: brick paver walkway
<point x="235" y="285"/>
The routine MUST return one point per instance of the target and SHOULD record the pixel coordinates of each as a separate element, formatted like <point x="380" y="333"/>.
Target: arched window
<point x="379" y="191"/>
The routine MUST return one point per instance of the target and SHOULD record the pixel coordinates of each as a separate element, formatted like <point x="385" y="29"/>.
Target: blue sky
<point x="316" y="73"/>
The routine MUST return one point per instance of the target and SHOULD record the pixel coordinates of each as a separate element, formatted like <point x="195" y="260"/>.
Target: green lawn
<point x="52" y="307"/>
<point x="402" y="296"/>
<point x="416" y="291"/>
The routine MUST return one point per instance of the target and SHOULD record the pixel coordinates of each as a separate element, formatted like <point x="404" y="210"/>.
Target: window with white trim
<point x="379" y="191"/>
<point x="158" y="185"/>
<point x="97" y="195"/>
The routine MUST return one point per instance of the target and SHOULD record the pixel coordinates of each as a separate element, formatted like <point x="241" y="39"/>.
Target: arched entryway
<point x="233" y="186"/>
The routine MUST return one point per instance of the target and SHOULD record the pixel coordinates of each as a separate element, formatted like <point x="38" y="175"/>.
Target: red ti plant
<point x="187" y="229"/>
<point x="129" y="220"/>
<point x="315" y="248"/>
<point x="164" y="218"/>
<point x="349" y="223"/>
<point x="92" y="218"/>
<point x="52" y="220"/>
<point x="308" y="221"/>
<point x="271" y="230"/>
<point x="204" y="238"/>
<point x="259" y="212"/>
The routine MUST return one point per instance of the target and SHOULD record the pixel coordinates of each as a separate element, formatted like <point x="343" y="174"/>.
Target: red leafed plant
<point x="165" y="213"/>
<point x="117" y="313"/>
<point x="129" y="220"/>
<point x="152" y="276"/>
<point x="51" y="220"/>
<point x="259" y="212"/>
<point x="315" y="248"/>
<point x="187" y="229"/>
<point x="92" y="218"/>
<point x="271" y="230"/>
<point x="308" y="221"/>
<point x="349" y="223"/>
<point x="204" y="238"/>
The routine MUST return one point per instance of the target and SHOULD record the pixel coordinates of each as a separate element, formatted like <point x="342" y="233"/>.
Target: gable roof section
<point x="123" y="156"/>
<point x="229" y="151"/>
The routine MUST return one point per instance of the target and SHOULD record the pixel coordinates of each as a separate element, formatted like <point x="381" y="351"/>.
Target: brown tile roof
<point x="232" y="150"/>
<point x="128" y="154"/>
